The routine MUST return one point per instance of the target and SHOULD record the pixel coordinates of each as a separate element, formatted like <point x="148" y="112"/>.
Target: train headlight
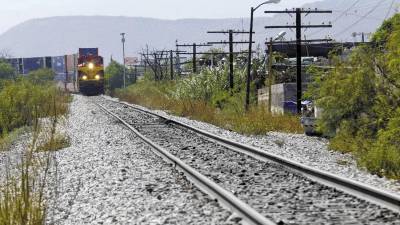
<point x="97" y="77"/>
<point x="91" y="66"/>
<point x="84" y="77"/>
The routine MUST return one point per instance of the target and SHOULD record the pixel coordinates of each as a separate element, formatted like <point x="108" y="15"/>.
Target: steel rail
<point x="358" y="189"/>
<point x="247" y="213"/>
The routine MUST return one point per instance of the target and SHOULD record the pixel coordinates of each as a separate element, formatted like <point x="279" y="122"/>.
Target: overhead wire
<point x="359" y="20"/>
<point x="338" y="17"/>
<point x="390" y="9"/>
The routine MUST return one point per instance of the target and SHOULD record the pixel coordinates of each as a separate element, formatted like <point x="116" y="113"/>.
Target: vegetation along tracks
<point x="277" y="188"/>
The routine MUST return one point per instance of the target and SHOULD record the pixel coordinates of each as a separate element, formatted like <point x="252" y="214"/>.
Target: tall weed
<point x="22" y="188"/>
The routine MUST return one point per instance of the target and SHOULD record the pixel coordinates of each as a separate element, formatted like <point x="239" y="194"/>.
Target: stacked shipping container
<point x="63" y="66"/>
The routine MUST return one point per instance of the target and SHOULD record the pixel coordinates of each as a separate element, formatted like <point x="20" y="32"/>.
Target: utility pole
<point x="194" y="59"/>
<point x="194" y="53"/>
<point x="178" y="60"/>
<point x="171" y="62"/>
<point x="252" y="10"/>
<point x="231" y="53"/>
<point x="298" y="28"/>
<point x="231" y="83"/>
<point x="248" y="77"/>
<point x="298" y="60"/>
<point x="270" y="76"/>
<point x="123" y="57"/>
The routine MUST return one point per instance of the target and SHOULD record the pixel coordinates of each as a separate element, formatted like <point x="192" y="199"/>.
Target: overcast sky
<point x="13" y="12"/>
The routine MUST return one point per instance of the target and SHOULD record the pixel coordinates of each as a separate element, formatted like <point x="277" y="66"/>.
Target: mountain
<point x="64" y="35"/>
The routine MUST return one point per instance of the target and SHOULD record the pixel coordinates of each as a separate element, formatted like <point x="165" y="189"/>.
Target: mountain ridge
<point x="61" y="35"/>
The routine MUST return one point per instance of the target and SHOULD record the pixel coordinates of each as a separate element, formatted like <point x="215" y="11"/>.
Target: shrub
<point x="360" y="99"/>
<point x="24" y="102"/>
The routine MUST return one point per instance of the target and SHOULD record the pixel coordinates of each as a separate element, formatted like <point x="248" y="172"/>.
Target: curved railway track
<point x="276" y="188"/>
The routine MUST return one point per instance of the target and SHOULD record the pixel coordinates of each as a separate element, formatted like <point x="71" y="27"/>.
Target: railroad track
<point x="271" y="187"/>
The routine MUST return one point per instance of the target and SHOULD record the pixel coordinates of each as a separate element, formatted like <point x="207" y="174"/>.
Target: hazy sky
<point x="13" y="12"/>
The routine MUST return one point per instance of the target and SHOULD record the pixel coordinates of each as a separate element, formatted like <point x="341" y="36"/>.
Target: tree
<point x="6" y="70"/>
<point x="114" y="76"/>
<point x="41" y="76"/>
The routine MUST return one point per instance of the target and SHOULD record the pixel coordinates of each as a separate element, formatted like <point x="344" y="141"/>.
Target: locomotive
<point x="90" y="72"/>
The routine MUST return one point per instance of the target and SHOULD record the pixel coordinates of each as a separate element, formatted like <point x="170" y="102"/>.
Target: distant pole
<point x="194" y="58"/>
<point x="177" y="60"/>
<point x="231" y="59"/>
<point x="249" y="60"/>
<point x="123" y="56"/>
<point x="270" y="77"/>
<point x="298" y="58"/>
<point x="171" y="62"/>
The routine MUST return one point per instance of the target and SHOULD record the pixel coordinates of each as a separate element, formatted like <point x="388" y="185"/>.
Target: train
<point x="84" y="70"/>
<point x="90" y="77"/>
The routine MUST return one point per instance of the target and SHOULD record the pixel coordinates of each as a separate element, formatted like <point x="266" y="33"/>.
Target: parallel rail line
<point x="358" y="189"/>
<point x="247" y="213"/>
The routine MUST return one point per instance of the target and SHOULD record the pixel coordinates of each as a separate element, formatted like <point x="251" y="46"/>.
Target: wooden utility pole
<point x="194" y="58"/>
<point x="231" y="53"/>
<point x="171" y="62"/>
<point x="298" y="28"/>
<point x="270" y="76"/>
<point x="194" y="53"/>
<point x="231" y="84"/>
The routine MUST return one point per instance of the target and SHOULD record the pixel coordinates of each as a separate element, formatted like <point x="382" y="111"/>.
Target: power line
<point x="390" y="9"/>
<point x="358" y="15"/>
<point x="363" y="17"/>
<point x="338" y="17"/>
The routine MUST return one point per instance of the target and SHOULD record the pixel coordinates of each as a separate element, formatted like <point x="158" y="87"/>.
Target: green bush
<point x="114" y="76"/>
<point x="41" y="76"/>
<point x="6" y="71"/>
<point x="360" y="99"/>
<point x="23" y="100"/>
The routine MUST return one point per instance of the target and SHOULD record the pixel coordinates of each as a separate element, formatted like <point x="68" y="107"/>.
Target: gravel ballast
<point x="274" y="191"/>
<point x="109" y="176"/>
<point x="311" y="151"/>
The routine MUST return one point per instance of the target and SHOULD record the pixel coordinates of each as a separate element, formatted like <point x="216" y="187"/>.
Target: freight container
<point x="48" y="62"/>
<point x="58" y="66"/>
<point x="88" y="51"/>
<point x="15" y="63"/>
<point x="71" y="63"/>
<point x="32" y="64"/>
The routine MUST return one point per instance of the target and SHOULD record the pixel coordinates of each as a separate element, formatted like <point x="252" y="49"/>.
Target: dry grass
<point x="256" y="121"/>
<point x="6" y="141"/>
<point x="54" y="143"/>
<point x="22" y="188"/>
